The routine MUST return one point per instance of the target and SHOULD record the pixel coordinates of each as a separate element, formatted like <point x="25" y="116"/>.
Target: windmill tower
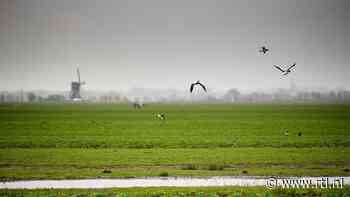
<point x="75" y="88"/>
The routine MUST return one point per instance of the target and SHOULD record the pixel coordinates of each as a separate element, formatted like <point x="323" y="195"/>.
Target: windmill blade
<point x="78" y="75"/>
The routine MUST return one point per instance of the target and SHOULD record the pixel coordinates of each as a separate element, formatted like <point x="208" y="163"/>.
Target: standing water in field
<point x="176" y="182"/>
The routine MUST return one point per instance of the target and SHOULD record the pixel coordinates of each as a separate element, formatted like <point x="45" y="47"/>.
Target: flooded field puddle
<point x="168" y="182"/>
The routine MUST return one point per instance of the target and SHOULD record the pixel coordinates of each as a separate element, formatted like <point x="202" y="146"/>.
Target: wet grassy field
<point x="57" y="141"/>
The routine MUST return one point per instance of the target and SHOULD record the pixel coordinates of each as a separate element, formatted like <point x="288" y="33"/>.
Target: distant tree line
<point x="230" y="96"/>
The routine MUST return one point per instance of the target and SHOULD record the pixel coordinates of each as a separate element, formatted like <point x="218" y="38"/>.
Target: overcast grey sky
<point x="120" y="44"/>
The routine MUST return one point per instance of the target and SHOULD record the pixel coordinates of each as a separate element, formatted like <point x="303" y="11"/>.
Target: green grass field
<point x="59" y="141"/>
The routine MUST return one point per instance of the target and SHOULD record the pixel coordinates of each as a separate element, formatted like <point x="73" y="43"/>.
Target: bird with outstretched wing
<point x="291" y="66"/>
<point x="204" y="88"/>
<point x="197" y="83"/>
<point x="279" y="68"/>
<point x="287" y="71"/>
<point x="192" y="86"/>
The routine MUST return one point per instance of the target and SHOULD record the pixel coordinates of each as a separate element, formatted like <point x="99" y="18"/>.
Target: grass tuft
<point x="189" y="167"/>
<point x="164" y="174"/>
<point x="107" y="171"/>
<point x="215" y="167"/>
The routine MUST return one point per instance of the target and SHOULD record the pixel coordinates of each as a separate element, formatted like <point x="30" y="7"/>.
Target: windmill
<point x="75" y="88"/>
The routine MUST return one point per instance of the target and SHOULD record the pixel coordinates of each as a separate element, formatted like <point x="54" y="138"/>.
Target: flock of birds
<point x="262" y="50"/>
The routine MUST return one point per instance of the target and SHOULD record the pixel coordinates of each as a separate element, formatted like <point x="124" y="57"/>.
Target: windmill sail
<point x="78" y="75"/>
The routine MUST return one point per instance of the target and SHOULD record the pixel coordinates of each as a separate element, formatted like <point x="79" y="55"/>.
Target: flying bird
<point x="287" y="71"/>
<point x="198" y="83"/>
<point x="264" y="50"/>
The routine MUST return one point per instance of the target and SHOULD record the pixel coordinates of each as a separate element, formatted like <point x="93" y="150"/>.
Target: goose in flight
<point x="264" y="50"/>
<point x="286" y="72"/>
<point x="198" y="83"/>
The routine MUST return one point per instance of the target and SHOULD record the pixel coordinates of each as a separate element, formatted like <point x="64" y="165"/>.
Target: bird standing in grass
<point x="137" y="105"/>
<point x="161" y="116"/>
<point x="286" y="133"/>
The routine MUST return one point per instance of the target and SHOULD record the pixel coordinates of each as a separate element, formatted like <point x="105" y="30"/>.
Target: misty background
<point x="161" y="46"/>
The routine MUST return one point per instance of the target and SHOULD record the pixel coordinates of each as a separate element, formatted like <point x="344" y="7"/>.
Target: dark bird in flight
<point x="264" y="50"/>
<point x="197" y="83"/>
<point x="285" y="72"/>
